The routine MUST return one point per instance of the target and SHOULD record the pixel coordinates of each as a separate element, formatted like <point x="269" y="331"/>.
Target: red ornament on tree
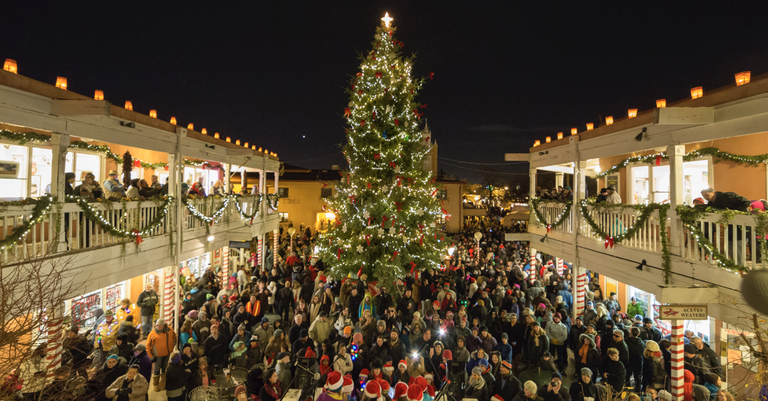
<point x="362" y="122"/>
<point x="369" y="185"/>
<point x="376" y="156"/>
<point x="373" y="115"/>
<point x="394" y="255"/>
<point x="360" y="92"/>
<point x="431" y="75"/>
<point x="397" y="122"/>
<point x="347" y="112"/>
<point x="378" y="74"/>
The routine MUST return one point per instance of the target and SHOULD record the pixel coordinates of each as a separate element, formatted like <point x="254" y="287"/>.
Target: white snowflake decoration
<point x="392" y="231"/>
<point x="397" y="169"/>
<point x="344" y="228"/>
<point x="381" y="232"/>
<point x="384" y="188"/>
<point x="432" y="224"/>
<point x="405" y="239"/>
<point x="359" y="249"/>
<point x="420" y="212"/>
<point x="366" y="215"/>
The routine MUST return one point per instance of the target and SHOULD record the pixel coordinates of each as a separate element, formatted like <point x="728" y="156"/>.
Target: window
<point x="326" y="192"/>
<point x="442" y="194"/>
<point x="440" y="219"/>
<point x="282" y="192"/>
<point x="283" y="216"/>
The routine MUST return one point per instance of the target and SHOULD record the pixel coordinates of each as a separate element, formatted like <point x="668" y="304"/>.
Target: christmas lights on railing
<point x="42" y="208"/>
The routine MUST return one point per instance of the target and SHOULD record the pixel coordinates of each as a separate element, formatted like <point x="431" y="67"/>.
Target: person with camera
<point x="554" y="390"/>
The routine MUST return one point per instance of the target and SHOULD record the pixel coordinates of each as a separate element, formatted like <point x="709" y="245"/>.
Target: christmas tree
<point x="385" y="204"/>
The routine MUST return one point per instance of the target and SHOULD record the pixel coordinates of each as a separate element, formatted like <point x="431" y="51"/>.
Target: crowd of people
<point x="480" y="327"/>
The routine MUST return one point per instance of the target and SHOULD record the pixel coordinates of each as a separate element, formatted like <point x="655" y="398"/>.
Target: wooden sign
<point x="683" y="312"/>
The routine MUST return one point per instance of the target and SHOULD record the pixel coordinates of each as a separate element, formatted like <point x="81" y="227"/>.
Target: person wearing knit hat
<point x="415" y="393"/>
<point x="333" y="387"/>
<point x="372" y="391"/>
<point x="277" y="333"/>
<point x="401" y="390"/>
<point x="309" y="353"/>
<point x="497" y="398"/>
<point x="530" y="389"/>
<point x="384" y="387"/>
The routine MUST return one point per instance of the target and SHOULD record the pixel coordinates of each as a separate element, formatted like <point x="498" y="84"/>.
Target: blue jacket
<point x="246" y="339"/>
<point x="505" y="350"/>
<point x="567" y="298"/>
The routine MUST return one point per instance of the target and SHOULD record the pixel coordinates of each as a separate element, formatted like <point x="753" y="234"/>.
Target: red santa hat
<point x="384" y="386"/>
<point x="422" y="383"/>
<point x="364" y="372"/>
<point x="388" y="367"/>
<point x="415" y="393"/>
<point x="497" y="398"/>
<point x="401" y="389"/>
<point x="334" y="382"/>
<point x="349" y="384"/>
<point x="372" y="390"/>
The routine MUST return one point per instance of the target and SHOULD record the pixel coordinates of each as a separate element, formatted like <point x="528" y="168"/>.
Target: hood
<point x="589" y="336"/>
<point x="688" y="377"/>
<point x="120" y="362"/>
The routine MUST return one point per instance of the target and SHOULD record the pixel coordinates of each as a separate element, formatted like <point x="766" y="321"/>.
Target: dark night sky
<point x="270" y="72"/>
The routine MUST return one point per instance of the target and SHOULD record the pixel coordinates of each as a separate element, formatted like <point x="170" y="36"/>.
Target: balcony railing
<point x="106" y="223"/>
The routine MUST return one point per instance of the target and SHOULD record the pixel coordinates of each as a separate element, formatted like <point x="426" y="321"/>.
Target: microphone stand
<point x="314" y="384"/>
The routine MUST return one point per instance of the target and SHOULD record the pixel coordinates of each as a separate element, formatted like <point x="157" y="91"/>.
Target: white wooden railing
<point x="551" y="211"/>
<point x="737" y="241"/>
<point x="617" y="222"/>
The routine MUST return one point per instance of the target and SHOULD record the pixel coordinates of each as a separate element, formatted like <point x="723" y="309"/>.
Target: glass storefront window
<point x="87" y="163"/>
<point x="82" y="306"/>
<point x="13" y="171"/>
<point x="114" y="294"/>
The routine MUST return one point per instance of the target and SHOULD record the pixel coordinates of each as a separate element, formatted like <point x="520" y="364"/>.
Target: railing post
<point x="59" y="145"/>
<point x="675" y="154"/>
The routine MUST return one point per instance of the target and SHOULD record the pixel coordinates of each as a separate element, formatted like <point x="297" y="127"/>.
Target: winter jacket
<point x="147" y="302"/>
<point x="145" y="364"/>
<point x="507" y="387"/>
<point x="343" y="365"/>
<point x="483" y="393"/>
<point x="616" y="374"/>
<point x="161" y="343"/>
<point x="636" y="347"/>
<point x="654" y="374"/>
<point x="506" y="351"/>
<point x="557" y="333"/>
<point x="461" y="355"/>
<point x="176" y="377"/>
<point x="535" y="352"/>
<point x="580" y="390"/>
<point x="711" y="360"/>
<point x="215" y="350"/>
<point x="320" y="330"/>
<point x="263" y="335"/>
<point x="106" y="334"/>
<point x="138" y="387"/>
<point x="489" y="344"/>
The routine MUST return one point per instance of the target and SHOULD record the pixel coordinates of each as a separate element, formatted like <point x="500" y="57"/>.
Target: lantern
<point x="128" y="105"/>
<point x="61" y="83"/>
<point x="590" y="126"/>
<point x="536" y="143"/>
<point x="229" y="140"/>
<point x="661" y="103"/>
<point x="10" y="66"/>
<point x="697" y="92"/>
<point x="254" y="147"/>
<point x="237" y="142"/>
<point x="153" y="113"/>
<point x="173" y="120"/>
<point x="246" y="145"/>
<point x="98" y="95"/>
<point x="548" y="139"/>
<point x="259" y="149"/>
<point x="632" y="113"/>
<point x="266" y="151"/>
<point x="190" y="126"/>
<point x="609" y="120"/>
<point x="204" y="131"/>
<point x="559" y="135"/>
<point x="743" y="78"/>
<point x="574" y="131"/>
<point x="216" y="135"/>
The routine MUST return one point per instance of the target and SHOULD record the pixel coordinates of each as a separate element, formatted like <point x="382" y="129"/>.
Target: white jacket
<point x="343" y="365"/>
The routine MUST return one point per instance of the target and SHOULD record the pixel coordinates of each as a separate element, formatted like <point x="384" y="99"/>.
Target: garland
<point x="18" y="233"/>
<point x="23" y="137"/>
<point x="645" y="212"/>
<point x="656" y="158"/>
<point x="202" y="217"/>
<point x="242" y="213"/>
<point x="560" y="219"/>
<point x="96" y="216"/>
<point x="272" y="201"/>
<point x="666" y="257"/>
<point x="689" y="215"/>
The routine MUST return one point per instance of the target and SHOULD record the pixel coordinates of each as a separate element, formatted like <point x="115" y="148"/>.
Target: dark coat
<point x="579" y="390"/>
<point x="147" y="302"/>
<point x="176" y="376"/>
<point x="145" y="365"/>
<point x="616" y="374"/>
<point x="507" y="387"/>
<point x="483" y="394"/>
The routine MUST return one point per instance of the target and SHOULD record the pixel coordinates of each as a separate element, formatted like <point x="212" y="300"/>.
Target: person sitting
<point x="133" y="190"/>
<point x="89" y="189"/>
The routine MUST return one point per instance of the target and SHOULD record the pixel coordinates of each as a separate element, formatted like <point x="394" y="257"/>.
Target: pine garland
<point x="564" y="215"/>
<point x="666" y="257"/>
<point x="690" y="215"/>
<point x="242" y="212"/>
<point x="272" y="201"/>
<point x="23" y="137"/>
<point x="42" y="207"/>
<point x="95" y="216"/>
<point x="202" y="217"/>
<point x="645" y="212"/>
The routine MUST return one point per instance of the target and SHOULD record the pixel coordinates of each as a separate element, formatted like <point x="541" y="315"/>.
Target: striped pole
<point x="560" y="267"/>
<point x="532" y="264"/>
<point x="259" y="251"/>
<point x="678" y="359"/>
<point x="276" y="245"/>
<point x="168" y="294"/>
<point x="55" y="325"/>
<point x="225" y="266"/>
<point x="581" y="291"/>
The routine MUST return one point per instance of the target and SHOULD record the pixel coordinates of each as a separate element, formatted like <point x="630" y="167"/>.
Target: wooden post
<point x="579" y="291"/>
<point x="675" y="153"/>
<point x="59" y="145"/>
<point x="559" y="179"/>
<point x="243" y="182"/>
<point x="169" y="293"/>
<point x="678" y="359"/>
<point x="532" y="183"/>
<point x="55" y="326"/>
<point x="227" y="174"/>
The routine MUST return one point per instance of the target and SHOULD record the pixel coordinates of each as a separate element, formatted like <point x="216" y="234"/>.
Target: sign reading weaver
<point x="683" y="312"/>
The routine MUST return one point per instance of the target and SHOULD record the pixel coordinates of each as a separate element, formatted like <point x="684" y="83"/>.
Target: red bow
<point x="347" y="112"/>
<point x="212" y="221"/>
<point x="394" y="255"/>
<point x="362" y="122"/>
<point x="166" y="168"/>
<point x="360" y="92"/>
<point x="397" y="122"/>
<point x="369" y="223"/>
<point x="399" y="205"/>
<point x="413" y="266"/>
<point x="392" y="164"/>
<point x="383" y="220"/>
<point x="378" y="74"/>
<point x="368" y="239"/>
<point x="393" y="220"/>
<point x="426" y="139"/>
<point x="399" y="183"/>
<point x="549" y="227"/>
<point x="138" y="237"/>
<point x="373" y="115"/>
<point x="658" y="160"/>
<point x="369" y="185"/>
<point x="421" y="228"/>
<point x="444" y="211"/>
<point x="608" y="242"/>
<point x="353" y="86"/>
<point x="431" y="75"/>
<point x="376" y="156"/>
<point x="421" y="240"/>
<point x="352" y="199"/>
<point x="338" y="254"/>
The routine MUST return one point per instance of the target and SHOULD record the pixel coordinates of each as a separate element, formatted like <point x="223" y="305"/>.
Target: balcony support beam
<point x="676" y="153"/>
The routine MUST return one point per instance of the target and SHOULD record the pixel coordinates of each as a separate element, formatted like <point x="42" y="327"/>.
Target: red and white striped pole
<point x="581" y="291"/>
<point x="560" y="267"/>
<point x="168" y="294"/>
<point x="532" y="264"/>
<point x="224" y="266"/>
<point x="276" y="245"/>
<point x="55" y="338"/>
<point x="260" y="250"/>
<point x="678" y="359"/>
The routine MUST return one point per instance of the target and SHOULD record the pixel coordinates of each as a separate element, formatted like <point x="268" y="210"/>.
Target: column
<point x="227" y="166"/>
<point x="559" y="179"/>
<point x="276" y="236"/>
<point x="678" y="359"/>
<point x="169" y="293"/>
<point x="260" y="251"/>
<point x="559" y="265"/>
<point x="243" y="182"/>
<point x="225" y="265"/>
<point x="675" y="153"/>
<point x="532" y="262"/>
<point x="532" y="183"/>
<point x="55" y="339"/>
<point x="579" y="291"/>
<point x="59" y="145"/>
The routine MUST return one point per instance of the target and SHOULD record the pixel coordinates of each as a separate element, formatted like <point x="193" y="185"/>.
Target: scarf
<point x="273" y="391"/>
<point x="477" y="384"/>
<point x="535" y="338"/>
<point x="583" y="351"/>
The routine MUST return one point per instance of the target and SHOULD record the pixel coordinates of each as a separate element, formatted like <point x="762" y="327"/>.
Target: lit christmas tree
<point x="385" y="204"/>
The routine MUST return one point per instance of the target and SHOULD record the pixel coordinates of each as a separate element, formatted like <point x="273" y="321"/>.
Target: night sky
<point x="274" y="72"/>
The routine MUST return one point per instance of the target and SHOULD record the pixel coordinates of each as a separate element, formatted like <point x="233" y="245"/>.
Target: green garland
<point x="202" y="217"/>
<point x="272" y="201"/>
<point x="645" y="212"/>
<point x="42" y="207"/>
<point x="666" y="257"/>
<point x="23" y="137"/>
<point x="256" y="208"/>
<point x="689" y="215"/>
<point x="95" y="216"/>
<point x="564" y="215"/>
<point x="690" y="156"/>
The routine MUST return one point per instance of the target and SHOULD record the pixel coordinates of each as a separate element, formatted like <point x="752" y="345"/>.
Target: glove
<point x="128" y="390"/>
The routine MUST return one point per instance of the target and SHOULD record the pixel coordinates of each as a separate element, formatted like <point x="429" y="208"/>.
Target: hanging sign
<point x="683" y="312"/>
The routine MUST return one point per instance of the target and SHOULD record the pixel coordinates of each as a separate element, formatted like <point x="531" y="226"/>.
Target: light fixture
<point x="609" y="120"/>
<point x="697" y="92"/>
<point x="246" y="144"/>
<point x="632" y="113"/>
<point x="191" y="126"/>
<point x="210" y="238"/>
<point x="229" y="140"/>
<point x="61" y="83"/>
<point x="544" y="238"/>
<point x="204" y="131"/>
<point x="237" y="142"/>
<point x="254" y="147"/>
<point x="640" y="266"/>
<point x="574" y="131"/>
<point x="216" y="135"/>
<point x="742" y="77"/>
<point x="536" y="143"/>
<point x="98" y="95"/>
<point x="387" y="19"/>
<point x="590" y="126"/>
<point x="259" y="149"/>
<point x="639" y="137"/>
<point x="173" y="120"/>
<point x="548" y="139"/>
<point x="559" y="135"/>
<point x="153" y="113"/>
<point x="128" y="105"/>
<point x="266" y="151"/>
<point x="10" y="66"/>
<point x="130" y="124"/>
<point x="661" y="103"/>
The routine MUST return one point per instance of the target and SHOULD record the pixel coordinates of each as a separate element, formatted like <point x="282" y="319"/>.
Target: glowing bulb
<point x="661" y="103"/>
<point x="98" y="95"/>
<point x="229" y="139"/>
<point x="743" y="78"/>
<point x="609" y="120"/>
<point x="216" y="135"/>
<point x="153" y="113"/>
<point x="590" y="126"/>
<point x="190" y="126"/>
<point x="559" y="135"/>
<point x="697" y="92"/>
<point x="210" y="238"/>
<point x="128" y="105"/>
<point x="387" y="19"/>
<point x="61" y="83"/>
<point x="574" y="131"/>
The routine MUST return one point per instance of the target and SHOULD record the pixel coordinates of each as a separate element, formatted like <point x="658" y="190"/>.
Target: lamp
<point x="191" y="126"/>
<point x="128" y="105"/>
<point x="98" y="95"/>
<point x="536" y="143"/>
<point x="153" y="113"/>
<point x="229" y="140"/>
<point x="639" y="137"/>
<point x="204" y="131"/>
<point x="559" y="135"/>
<point x="259" y="149"/>
<point x="216" y="135"/>
<point x="246" y="144"/>
<point x="548" y="139"/>
<point x="697" y="92"/>
<point x="237" y="142"/>
<point x="254" y="147"/>
<point x="590" y="126"/>
<point x="742" y="77"/>
<point x="210" y="238"/>
<point x="173" y="120"/>
<point x="61" y="83"/>
<point x="661" y="103"/>
<point x="640" y="266"/>
<point x="544" y="238"/>
<point x="10" y="66"/>
<point x="609" y="120"/>
<point x="574" y="131"/>
<point x="632" y="113"/>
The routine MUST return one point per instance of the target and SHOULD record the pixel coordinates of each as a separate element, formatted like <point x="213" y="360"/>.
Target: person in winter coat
<point x="476" y="387"/>
<point x="127" y="328"/>
<point x="636" y="347"/>
<point x="216" y="348"/>
<point x="461" y="353"/>
<point x="147" y="301"/>
<point x="160" y="343"/>
<point x="504" y="348"/>
<point x="176" y="378"/>
<point x="130" y="387"/>
<point x="143" y="360"/>
<point x="242" y="335"/>
<point x="189" y="359"/>
<point x="122" y="348"/>
<point x="283" y="369"/>
<point x="614" y="372"/>
<point x="618" y="343"/>
<point x="112" y="369"/>
<point x="284" y="301"/>
<point x="709" y="357"/>
<point x="272" y="388"/>
<point x="654" y="374"/>
<point x="577" y="329"/>
<point x="320" y="329"/>
<point x="538" y="343"/>
<point x="584" y="387"/>
<point x="587" y="355"/>
<point x="557" y="332"/>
